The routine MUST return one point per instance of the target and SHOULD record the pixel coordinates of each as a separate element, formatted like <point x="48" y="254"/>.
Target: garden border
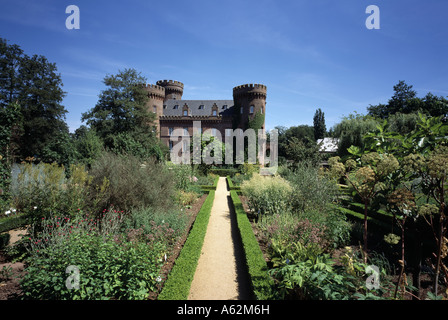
<point x="257" y="267"/>
<point x="178" y="283"/>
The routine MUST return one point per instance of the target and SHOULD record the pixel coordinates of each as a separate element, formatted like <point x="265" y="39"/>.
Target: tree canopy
<point x="405" y="100"/>
<point x="32" y="82"/>
<point x="120" y="117"/>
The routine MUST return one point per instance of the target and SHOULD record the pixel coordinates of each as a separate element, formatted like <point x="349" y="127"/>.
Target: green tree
<point x="303" y="150"/>
<point x="319" y="124"/>
<point x="9" y="120"/>
<point x="303" y="133"/>
<point x="87" y="144"/>
<point x="351" y="131"/>
<point x="120" y="117"/>
<point x="405" y="100"/>
<point x="34" y="83"/>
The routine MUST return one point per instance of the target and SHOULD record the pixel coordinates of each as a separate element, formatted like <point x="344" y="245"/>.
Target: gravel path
<point x="221" y="273"/>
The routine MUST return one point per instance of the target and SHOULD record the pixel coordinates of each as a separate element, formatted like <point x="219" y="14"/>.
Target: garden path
<point x="221" y="273"/>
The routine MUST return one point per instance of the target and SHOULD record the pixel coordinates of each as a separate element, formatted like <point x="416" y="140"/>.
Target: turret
<point x="156" y="95"/>
<point x="251" y="99"/>
<point x="173" y="89"/>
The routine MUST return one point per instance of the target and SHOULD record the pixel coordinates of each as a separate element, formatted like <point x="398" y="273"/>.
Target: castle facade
<point x="165" y="100"/>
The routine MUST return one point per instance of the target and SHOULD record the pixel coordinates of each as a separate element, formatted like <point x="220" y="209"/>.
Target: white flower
<point x="8" y="212"/>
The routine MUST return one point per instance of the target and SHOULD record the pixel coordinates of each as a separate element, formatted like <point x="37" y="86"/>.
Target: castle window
<point x="185" y="131"/>
<point x="176" y="107"/>
<point x="154" y="109"/>
<point x="241" y="109"/>
<point x="184" y="146"/>
<point x="164" y="106"/>
<point x="174" y="97"/>
<point x="214" y="112"/>
<point x="201" y="107"/>
<point x="251" y="110"/>
<point x="185" y="113"/>
<point x="170" y="130"/>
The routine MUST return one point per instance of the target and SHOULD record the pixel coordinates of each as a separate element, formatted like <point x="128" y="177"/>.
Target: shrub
<point x="267" y="194"/>
<point x="131" y="183"/>
<point x="111" y="265"/>
<point x="162" y="226"/>
<point x="312" y="191"/>
<point x="43" y="190"/>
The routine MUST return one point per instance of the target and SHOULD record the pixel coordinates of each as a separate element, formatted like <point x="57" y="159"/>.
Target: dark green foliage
<point x="303" y="134"/>
<point x="87" y="144"/>
<point x="223" y="172"/>
<point x="9" y="130"/>
<point x="4" y="240"/>
<point x="13" y="222"/>
<point x="303" y="151"/>
<point x="177" y="286"/>
<point x="405" y="100"/>
<point x="33" y="83"/>
<point x="319" y="125"/>
<point x="111" y="265"/>
<point x="121" y="110"/>
<point x="257" y="122"/>
<point x="351" y="131"/>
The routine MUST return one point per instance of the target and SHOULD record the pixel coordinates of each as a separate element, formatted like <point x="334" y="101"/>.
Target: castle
<point x="165" y="100"/>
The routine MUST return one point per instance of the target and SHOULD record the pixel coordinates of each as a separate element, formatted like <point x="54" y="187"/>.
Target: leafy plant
<point x="267" y="195"/>
<point x="111" y="266"/>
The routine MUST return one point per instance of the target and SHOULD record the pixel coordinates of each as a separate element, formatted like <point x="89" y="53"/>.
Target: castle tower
<point x="173" y="89"/>
<point x="251" y="99"/>
<point x="156" y="95"/>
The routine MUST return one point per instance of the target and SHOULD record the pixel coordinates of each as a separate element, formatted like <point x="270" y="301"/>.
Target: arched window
<point x="214" y="113"/>
<point x="154" y="109"/>
<point x="251" y="109"/>
<point x="185" y="113"/>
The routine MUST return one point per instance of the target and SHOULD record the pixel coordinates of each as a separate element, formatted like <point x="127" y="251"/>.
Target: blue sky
<point x="310" y="54"/>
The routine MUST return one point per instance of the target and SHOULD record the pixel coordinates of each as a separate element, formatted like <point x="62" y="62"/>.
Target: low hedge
<point x="13" y="222"/>
<point x="178" y="283"/>
<point x="223" y="172"/>
<point x="231" y="185"/>
<point x="260" y="280"/>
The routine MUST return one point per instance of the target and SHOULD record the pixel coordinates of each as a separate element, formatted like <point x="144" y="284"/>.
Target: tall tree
<point x="120" y="117"/>
<point x="33" y="82"/>
<point x="319" y="124"/>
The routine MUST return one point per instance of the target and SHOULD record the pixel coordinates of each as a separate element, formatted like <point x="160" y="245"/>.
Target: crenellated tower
<point x="250" y="100"/>
<point x="173" y="89"/>
<point x="156" y="95"/>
